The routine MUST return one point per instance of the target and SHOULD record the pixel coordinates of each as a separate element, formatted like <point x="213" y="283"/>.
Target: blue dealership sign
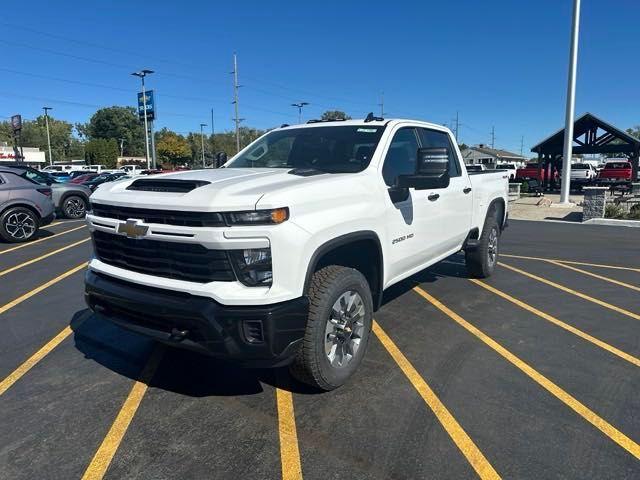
<point x="151" y="111"/>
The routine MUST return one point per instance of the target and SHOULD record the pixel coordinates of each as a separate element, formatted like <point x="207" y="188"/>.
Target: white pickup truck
<point x="282" y="255"/>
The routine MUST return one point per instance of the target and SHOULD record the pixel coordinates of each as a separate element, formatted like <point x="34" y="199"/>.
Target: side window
<point x="436" y="139"/>
<point x="401" y="157"/>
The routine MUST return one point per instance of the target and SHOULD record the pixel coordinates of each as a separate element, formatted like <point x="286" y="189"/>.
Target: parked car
<point x="96" y="168"/>
<point x="61" y="176"/>
<point x="582" y="174"/>
<point x="132" y="169"/>
<point x="282" y="256"/>
<point x="84" y="178"/>
<point x="510" y="168"/>
<point x="70" y="200"/>
<point x="79" y="173"/>
<point x="534" y="171"/>
<point x="615" y="173"/>
<point x="104" y="178"/>
<point x="476" y="168"/>
<point x="25" y="206"/>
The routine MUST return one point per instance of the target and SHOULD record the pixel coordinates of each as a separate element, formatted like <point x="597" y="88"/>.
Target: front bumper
<point x="260" y="336"/>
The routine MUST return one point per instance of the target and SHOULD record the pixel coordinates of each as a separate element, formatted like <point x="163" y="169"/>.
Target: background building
<point x="484" y="155"/>
<point x="32" y="156"/>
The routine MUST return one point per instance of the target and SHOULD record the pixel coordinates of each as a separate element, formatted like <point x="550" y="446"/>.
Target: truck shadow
<point x="188" y="373"/>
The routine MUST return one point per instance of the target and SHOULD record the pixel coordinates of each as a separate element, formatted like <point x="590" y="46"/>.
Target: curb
<point x="612" y="222"/>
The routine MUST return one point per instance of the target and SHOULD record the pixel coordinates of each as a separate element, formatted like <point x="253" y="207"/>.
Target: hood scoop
<point x="166" y="185"/>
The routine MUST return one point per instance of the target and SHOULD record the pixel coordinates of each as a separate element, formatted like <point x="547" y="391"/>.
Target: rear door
<point x="454" y="203"/>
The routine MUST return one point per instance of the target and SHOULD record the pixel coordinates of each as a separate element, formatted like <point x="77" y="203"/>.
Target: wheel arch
<point x="353" y="250"/>
<point x="22" y="204"/>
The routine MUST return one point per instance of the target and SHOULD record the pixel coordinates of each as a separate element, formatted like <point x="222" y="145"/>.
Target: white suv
<point x="282" y="255"/>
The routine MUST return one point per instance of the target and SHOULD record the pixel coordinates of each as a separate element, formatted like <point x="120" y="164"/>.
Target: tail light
<point x="45" y="191"/>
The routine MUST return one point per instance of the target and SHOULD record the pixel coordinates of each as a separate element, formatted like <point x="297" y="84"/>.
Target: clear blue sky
<point x="501" y="62"/>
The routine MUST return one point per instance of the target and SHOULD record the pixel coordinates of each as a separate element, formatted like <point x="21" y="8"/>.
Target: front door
<point x="413" y="222"/>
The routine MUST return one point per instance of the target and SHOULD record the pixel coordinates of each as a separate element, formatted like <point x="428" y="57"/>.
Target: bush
<point x="614" y="211"/>
<point x="524" y="187"/>
<point x="634" y="213"/>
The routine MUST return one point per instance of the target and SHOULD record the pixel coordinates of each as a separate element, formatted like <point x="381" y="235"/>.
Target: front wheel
<point x="74" y="207"/>
<point x="18" y="224"/>
<point x="481" y="261"/>
<point x="338" y="328"/>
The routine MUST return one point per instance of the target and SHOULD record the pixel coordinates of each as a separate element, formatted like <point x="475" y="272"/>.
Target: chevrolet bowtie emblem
<point x="133" y="228"/>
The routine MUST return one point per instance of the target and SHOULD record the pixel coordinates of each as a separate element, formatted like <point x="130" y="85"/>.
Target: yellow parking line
<point x="289" y="451"/>
<point x="571" y="262"/>
<point x="599" y="277"/>
<point x="28" y="244"/>
<point x="64" y="222"/>
<point x="105" y="453"/>
<point x="14" y="376"/>
<point x="468" y="448"/>
<point x="585" y="336"/>
<point x="609" y="430"/>
<point x="572" y="292"/>
<point x="37" y="290"/>
<point x="41" y="257"/>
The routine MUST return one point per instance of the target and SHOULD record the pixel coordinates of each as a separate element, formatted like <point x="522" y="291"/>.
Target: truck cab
<point x="282" y="255"/>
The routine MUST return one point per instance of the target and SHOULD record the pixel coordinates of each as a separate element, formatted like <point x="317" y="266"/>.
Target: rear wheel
<point x="338" y="328"/>
<point x="18" y="224"/>
<point x="482" y="260"/>
<point x="74" y="206"/>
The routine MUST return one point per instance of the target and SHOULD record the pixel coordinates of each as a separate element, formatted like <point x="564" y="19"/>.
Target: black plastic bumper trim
<point x="211" y="328"/>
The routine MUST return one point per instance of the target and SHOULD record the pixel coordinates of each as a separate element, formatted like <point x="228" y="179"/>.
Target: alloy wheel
<point x="344" y="329"/>
<point x="20" y="225"/>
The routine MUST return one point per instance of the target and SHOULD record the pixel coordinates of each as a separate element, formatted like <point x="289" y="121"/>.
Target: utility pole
<point x="237" y="119"/>
<point x="457" y="126"/>
<point x="299" y="107"/>
<point x="46" y="122"/>
<point x="142" y="74"/>
<point x="122" y="147"/>
<point x="521" y="145"/>
<point x="202" y="125"/>
<point x="567" y="152"/>
<point x="213" y="130"/>
<point x="493" y="137"/>
<point x="381" y="104"/>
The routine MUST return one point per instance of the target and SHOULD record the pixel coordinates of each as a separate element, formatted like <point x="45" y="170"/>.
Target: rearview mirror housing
<point x="432" y="170"/>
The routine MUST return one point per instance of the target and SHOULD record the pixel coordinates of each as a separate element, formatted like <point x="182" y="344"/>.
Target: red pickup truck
<point x="534" y="171"/>
<point x="615" y="172"/>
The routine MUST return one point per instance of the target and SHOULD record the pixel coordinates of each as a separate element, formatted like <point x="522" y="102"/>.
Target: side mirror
<point x="432" y="170"/>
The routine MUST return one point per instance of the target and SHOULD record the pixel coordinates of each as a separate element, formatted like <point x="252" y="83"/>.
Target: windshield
<point x="580" y="166"/>
<point x="328" y="149"/>
<point x="617" y="165"/>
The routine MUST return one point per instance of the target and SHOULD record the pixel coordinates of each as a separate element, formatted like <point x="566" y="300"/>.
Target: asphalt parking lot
<point x="531" y="374"/>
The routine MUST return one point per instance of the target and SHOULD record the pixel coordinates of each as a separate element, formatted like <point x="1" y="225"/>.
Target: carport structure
<point x="590" y="135"/>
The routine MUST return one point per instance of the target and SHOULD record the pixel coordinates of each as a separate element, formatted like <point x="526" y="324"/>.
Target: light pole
<point x="299" y="107"/>
<point x="142" y="74"/>
<point x="202" y="125"/>
<point x="567" y="152"/>
<point x="46" y="122"/>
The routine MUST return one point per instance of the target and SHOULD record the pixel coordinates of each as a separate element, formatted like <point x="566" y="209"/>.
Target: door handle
<point x="434" y="196"/>
<point x="466" y="190"/>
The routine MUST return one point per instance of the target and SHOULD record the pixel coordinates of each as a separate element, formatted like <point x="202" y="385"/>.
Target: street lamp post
<point x="142" y="74"/>
<point x="202" y="125"/>
<point x="299" y="107"/>
<point x="46" y="122"/>
<point x="571" y="101"/>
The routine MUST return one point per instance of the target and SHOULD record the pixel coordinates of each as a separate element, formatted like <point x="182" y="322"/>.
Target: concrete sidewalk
<point x="543" y="208"/>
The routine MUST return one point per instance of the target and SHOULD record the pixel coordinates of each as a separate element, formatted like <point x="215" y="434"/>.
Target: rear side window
<point x="436" y="139"/>
<point x="401" y="157"/>
<point x="618" y="165"/>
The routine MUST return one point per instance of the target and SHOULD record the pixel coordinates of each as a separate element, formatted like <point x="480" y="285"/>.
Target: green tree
<point x="635" y="131"/>
<point x="172" y="148"/>
<point x="34" y="134"/>
<point x="102" y="151"/>
<point x="334" y="115"/>
<point x="117" y="123"/>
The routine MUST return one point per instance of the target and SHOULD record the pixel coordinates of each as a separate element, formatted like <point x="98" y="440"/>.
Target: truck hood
<point x="227" y="189"/>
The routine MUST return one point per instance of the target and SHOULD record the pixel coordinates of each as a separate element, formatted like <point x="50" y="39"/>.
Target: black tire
<point x="18" y="224"/>
<point x="74" y="206"/>
<point x="482" y="260"/>
<point x="312" y="364"/>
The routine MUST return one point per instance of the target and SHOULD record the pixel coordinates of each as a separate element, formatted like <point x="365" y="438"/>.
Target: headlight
<point x="253" y="266"/>
<point x="258" y="217"/>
